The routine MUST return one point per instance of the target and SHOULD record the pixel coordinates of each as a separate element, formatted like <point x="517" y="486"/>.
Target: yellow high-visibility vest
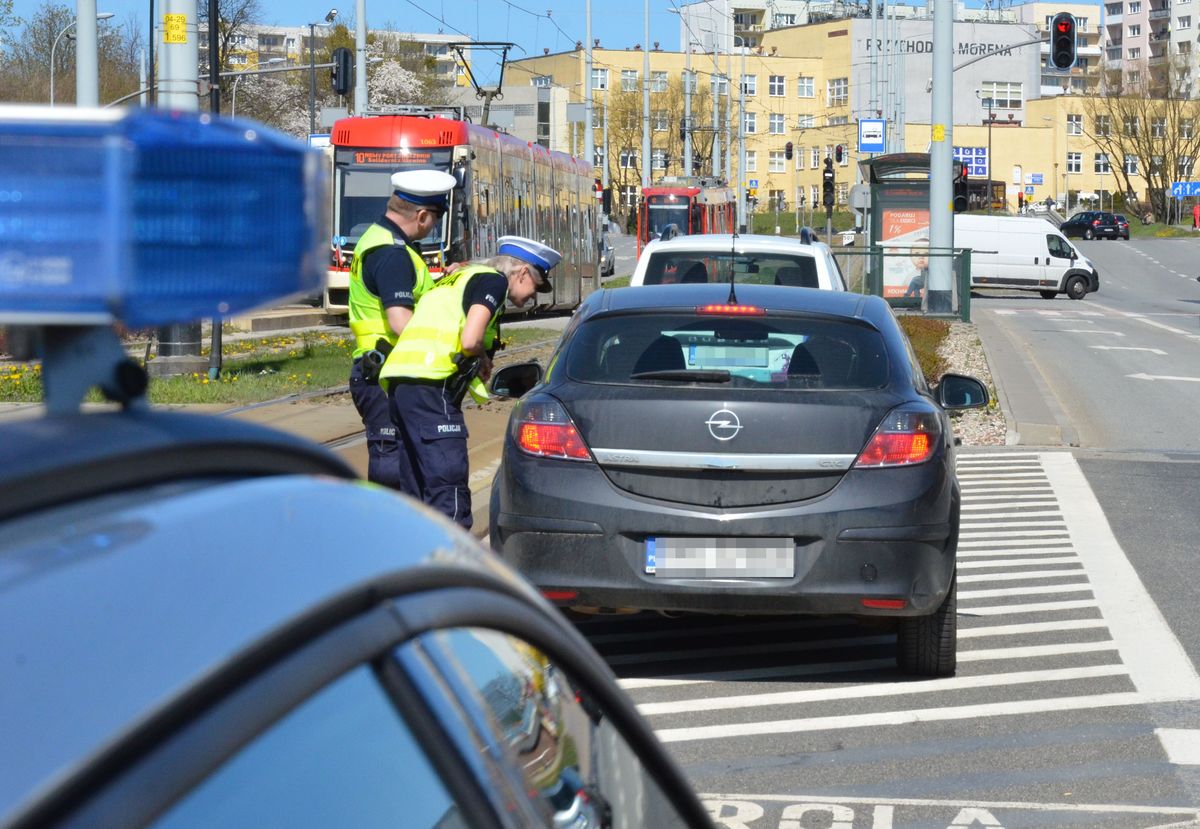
<point x="368" y="317"/>
<point x="426" y="349"/>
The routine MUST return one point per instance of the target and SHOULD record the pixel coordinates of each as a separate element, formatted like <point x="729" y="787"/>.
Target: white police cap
<point x="425" y="188"/>
<point x="542" y="257"/>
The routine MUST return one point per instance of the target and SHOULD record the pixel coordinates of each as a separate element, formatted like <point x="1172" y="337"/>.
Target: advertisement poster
<point x="904" y="235"/>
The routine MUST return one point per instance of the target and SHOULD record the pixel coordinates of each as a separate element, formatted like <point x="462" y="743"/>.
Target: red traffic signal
<point x="837" y="153"/>
<point x="788" y="150"/>
<point x="1062" y="41"/>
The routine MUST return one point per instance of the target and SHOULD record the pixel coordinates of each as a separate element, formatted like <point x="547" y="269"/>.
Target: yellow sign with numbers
<point x="175" y="28"/>
<point x="939" y="132"/>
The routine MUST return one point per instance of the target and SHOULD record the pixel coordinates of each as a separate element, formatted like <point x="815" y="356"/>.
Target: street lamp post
<point x="991" y="119"/>
<point x="54" y="47"/>
<point x="233" y="104"/>
<point x="743" y="184"/>
<point x="312" y="70"/>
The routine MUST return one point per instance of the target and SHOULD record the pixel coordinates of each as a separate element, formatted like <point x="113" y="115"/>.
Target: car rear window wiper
<point x="707" y="376"/>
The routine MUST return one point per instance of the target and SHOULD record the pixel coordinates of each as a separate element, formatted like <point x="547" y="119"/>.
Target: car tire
<point x="1077" y="287"/>
<point x="928" y="645"/>
<point x="1048" y="294"/>
<point x="1088" y="234"/>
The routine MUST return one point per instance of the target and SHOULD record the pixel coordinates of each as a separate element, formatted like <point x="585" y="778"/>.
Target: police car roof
<point x="100" y="598"/>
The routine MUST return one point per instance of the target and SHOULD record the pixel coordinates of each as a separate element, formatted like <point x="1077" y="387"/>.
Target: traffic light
<point x="960" y="187"/>
<point x="1062" y="40"/>
<point x="827" y="197"/>
<point x="683" y="129"/>
<point x="787" y="151"/>
<point x="837" y="153"/>
<point x="341" y="73"/>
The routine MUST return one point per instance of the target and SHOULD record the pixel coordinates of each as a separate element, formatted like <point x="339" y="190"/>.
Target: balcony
<point x="1114" y="19"/>
<point x="1160" y="14"/>
<point x="1113" y="55"/>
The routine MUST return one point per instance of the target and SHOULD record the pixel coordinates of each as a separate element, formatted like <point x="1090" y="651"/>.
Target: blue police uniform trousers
<point x="432" y="434"/>
<point x="383" y="450"/>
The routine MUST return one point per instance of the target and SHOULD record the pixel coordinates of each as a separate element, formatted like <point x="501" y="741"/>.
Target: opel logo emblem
<point x="723" y="424"/>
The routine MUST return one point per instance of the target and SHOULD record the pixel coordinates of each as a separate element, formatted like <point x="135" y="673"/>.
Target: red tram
<point x="688" y="205"/>
<point x="505" y="186"/>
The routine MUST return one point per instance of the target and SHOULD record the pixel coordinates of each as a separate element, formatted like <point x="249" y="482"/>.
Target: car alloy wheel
<point x="1088" y="234"/>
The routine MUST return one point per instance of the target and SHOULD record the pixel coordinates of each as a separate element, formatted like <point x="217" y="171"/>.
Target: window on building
<point x="842" y="192"/>
<point x="1186" y="127"/>
<point x="750" y="84"/>
<point x="1131" y="164"/>
<point x="836" y="120"/>
<point x="806" y="121"/>
<point x="598" y="156"/>
<point x="778" y="20"/>
<point x="629" y="80"/>
<point x="1004" y="94"/>
<point x="1185" y="22"/>
<point x="744" y="19"/>
<point x="1135" y="53"/>
<point x="1103" y="126"/>
<point x="776" y="163"/>
<point x="814" y="194"/>
<point x="1184" y="168"/>
<point x="829" y="151"/>
<point x="1185" y="47"/>
<point x="837" y="92"/>
<point x="799" y="156"/>
<point x="1134" y="78"/>
<point x="237" y="60"/>
<point x="660" y="120"/>
<point x="1135" y="31"/>
<point x="805" y="87"/>
<point x="1100" y="164"/>
<point x="1074" y="125"/>
<point x="1158" y="127"/>
<point x="658" y="81"/>
<point x="597" y="118"/>
<point x="816" y="157"/>
<point x="1131" y="126"/>
<point x="1074" y="162"/>
<point x="751" y="161"/>
<point x="751" y="123"/>
<point x="1134" y="7"/>
<point x="1156" y="164"/>
<point x="541" y="81"/>
<point x="629" y="195"/>
<point x="658" y="160"/>
<point x="776" y="87"/>
<point x="775" y="126"/>
<point x="599" y="79"/>
<point x="719" y="85"/>
<point x="689" y="82"/>
<point x="628" y="160"/>
<point x="1081" y="23"/>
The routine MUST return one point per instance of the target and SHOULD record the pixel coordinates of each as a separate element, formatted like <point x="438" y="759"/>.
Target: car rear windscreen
<point x="783" y="352"/>
<point x="797" y="270"/>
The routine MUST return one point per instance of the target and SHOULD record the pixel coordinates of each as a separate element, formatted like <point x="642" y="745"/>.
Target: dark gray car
<point x="780" y="454"/>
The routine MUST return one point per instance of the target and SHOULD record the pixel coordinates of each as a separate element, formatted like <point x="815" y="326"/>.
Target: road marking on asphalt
<point x="1014" y="562"/>
<point x="1020" y="576"/>
<point x="1099" y="808"/>
<point x="1156" y="324"/>
<point x="1157" y="663"/>
<point x="1182" y="745"/>
<point x="971" y="552"/>
<point x="1025" y="609"/>
<point x="1017" y="534"/>
<point x="990" y="516"/>
<point x="483" y="474"/>
<point x="1092" y="331"/>
<point x="1042" y="589"/>
<point x="931" y="686"/>
<point x="742" y="649"/>
<point x="1163" y="377"/>
<point x="1030" y="627"/>
<point x="1157" y="351"/>
<point x="1011" y="505"/>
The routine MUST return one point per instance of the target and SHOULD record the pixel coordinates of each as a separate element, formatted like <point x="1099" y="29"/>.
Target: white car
<point x="764" y="260"/>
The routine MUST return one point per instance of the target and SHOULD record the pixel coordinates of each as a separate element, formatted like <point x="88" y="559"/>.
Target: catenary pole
<point x="687" y="111"/>
<point x="361" y="102"/>
<point x="938" y="294"/>
<point x="87" y="61"/>
<point x="646" y="98"/>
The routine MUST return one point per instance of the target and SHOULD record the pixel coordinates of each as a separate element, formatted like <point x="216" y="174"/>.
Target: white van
<point x="1024" y="253"/>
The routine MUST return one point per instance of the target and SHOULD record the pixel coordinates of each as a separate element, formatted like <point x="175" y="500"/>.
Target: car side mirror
<point x="957" y="391"/>
<point x="516" y="381"/>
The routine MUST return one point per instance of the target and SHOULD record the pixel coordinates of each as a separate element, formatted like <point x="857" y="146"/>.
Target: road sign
<point x="1183" y="189"/>
<point x="1029" y="190"/>
<point x="753" y="183"/>
<point x="871" y="135"/>
<point x="1035" y="178"/>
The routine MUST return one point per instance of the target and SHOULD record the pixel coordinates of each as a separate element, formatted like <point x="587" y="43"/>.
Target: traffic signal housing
<point x="342" y="74"/>
<point x="788" y="150"/>
<point x="1062" y="41"/>
<point x="838" y="153"/>
<point x="827" y="180"/>
<point x="960" y="186"/>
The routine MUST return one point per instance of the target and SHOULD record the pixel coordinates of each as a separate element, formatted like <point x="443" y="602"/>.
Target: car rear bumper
<point x="879" y="534"/>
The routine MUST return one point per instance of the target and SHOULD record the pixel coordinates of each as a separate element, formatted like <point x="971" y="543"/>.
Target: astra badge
<point x="723" y="425"/>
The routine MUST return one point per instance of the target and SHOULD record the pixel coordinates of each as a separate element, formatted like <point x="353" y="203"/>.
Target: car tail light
<point x="908" y="435"/>
<point x="1095" y="223"/>
<point x="542" y="427"/>
<point x="732" y="310"/>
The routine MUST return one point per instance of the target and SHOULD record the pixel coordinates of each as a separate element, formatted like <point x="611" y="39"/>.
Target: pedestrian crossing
<point x="1053" y="622"/>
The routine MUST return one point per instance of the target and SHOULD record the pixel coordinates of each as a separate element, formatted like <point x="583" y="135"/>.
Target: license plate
<point x="721" y="558"/>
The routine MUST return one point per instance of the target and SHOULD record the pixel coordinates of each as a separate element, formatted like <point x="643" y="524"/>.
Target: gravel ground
<point x="963" y="352"/>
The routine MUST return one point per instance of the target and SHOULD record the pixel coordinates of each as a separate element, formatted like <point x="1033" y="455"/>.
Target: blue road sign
<point x="1183" y="189"/>
<point x="1035" y="178"/>
<point x="871" y="135"/>
<point x="753" y="183"/>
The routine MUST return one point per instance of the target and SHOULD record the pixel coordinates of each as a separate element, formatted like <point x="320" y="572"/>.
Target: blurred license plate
<point x="721" y="558"/>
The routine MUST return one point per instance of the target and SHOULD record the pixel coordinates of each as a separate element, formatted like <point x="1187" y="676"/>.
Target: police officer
<point x="444" y="352"/>
<point x="387" y="277"/>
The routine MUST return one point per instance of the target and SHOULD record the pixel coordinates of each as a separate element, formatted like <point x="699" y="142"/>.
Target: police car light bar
<point x="152" y="217"/>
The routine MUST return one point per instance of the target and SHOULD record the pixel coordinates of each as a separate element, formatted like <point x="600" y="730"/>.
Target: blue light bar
<point x="153" y="217"/>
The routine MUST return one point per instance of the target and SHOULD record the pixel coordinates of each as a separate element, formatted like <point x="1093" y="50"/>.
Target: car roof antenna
<point x="732" y="253"/>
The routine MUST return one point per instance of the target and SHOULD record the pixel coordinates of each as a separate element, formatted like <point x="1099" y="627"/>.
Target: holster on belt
<point x="458" y="384"/>
<point x="373" y="360"/>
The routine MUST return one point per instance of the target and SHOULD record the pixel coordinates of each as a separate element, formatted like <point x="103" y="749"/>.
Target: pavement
<point x="1033" y="414"/>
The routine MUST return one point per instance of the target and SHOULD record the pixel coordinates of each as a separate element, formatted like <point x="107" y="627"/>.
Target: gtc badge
<point x="723" y="425"/>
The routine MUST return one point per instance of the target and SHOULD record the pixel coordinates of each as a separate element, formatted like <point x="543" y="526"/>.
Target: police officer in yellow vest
<point x="387" y="278"/>
<point x="448" y="342"/>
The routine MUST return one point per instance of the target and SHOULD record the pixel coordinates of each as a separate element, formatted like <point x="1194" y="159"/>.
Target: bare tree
<point x="1147" y="124"/>
<point x="234" y="20"/>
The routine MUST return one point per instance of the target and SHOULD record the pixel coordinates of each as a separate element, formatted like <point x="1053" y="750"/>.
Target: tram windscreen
<point x="364" y="185"/>
<point x="667" y="210"/>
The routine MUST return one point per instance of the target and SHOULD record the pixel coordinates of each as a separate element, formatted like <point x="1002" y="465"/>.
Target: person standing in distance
<point x="445" y="352"/>
<point x="387" y="278"/>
